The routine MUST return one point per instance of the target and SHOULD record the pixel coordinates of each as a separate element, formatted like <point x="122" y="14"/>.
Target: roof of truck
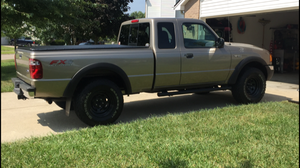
<point x="162" y="19"/>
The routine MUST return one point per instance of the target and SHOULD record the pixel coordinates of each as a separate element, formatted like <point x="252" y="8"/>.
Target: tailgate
<point x="22" y="65"/>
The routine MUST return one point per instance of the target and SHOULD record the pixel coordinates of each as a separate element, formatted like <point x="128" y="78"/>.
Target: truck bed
<point x="80" y="47"/>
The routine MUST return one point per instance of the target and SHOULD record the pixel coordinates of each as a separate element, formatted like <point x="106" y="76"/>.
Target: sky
<point x="137" y="5"/>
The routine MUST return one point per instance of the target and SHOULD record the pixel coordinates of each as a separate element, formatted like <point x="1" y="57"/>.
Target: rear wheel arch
<point x="98" y="70"/>
<point x="244" y="65"/>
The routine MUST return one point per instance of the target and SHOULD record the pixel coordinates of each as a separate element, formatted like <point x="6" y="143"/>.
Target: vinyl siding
<point x="166" y="8"/>
<point x="160" y="8"/>
<point x="217" y="8"/>
<point x="153" y="8"/>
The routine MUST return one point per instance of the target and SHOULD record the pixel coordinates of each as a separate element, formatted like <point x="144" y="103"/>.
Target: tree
<point x="104" y="18"/>
<point x="63" y="19"/>
<point x="19" y="17"/>
<point x="137" y="14"/>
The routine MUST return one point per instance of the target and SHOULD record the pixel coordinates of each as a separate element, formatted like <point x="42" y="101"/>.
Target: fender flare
<point x="238" y="69"/>
<point x="97" y="67"/>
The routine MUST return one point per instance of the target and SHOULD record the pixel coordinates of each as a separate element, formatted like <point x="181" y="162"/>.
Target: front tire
<point x="99" y="103"/>
<point x="250" y="87"/>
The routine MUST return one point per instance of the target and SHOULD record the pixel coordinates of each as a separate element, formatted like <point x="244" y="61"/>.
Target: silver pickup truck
<point x="165" y="55"/>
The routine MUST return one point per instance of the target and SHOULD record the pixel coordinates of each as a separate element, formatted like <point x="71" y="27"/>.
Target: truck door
<point x="167" y="55"/>
<point x="202" y="62"/>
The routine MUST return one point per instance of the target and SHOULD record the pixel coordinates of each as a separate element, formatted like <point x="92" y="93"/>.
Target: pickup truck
<point x="22" y="42"/>
<point x="167" y="56"/>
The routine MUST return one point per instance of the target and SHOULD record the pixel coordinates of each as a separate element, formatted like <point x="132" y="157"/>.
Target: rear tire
<point x="250" y="87"/>
<point x="99" y="103"/>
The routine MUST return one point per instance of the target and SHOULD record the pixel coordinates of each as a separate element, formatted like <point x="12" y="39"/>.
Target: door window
<point x="197" y="36"/>
<point x="166" y="35"/>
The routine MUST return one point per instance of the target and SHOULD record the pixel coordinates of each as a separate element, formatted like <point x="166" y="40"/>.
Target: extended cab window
<point x="166" y="35"/>
<point x="135" y="34"/>
<point x="197" y="36"/>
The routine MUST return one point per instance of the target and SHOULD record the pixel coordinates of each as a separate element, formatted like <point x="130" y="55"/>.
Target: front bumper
<point x="22" y="89"/>
<point x="270" y="71"/>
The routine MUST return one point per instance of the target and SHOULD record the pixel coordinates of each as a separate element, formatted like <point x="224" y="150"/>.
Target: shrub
<point x="57" y="42"/>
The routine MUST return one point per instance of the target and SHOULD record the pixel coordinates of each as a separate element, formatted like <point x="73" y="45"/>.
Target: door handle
<point x="189" y="55"/>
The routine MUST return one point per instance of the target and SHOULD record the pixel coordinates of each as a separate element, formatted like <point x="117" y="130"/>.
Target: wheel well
<point x="254" y="65"/>
<point x="104" y="74"/>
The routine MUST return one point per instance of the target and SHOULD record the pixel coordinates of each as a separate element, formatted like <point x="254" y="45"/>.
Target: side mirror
<point x="220" y="42"/>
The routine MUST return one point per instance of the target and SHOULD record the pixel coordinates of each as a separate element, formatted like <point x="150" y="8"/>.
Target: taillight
<point x="15" y="61"/>
<point x="35" y="68"/>
<point x="271" y="58"/>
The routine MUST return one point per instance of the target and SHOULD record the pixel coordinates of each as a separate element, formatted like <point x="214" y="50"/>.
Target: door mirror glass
<point x="220" y="42"/>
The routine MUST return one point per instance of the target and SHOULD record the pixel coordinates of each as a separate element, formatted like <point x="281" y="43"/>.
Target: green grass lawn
<point x="255" y="135"/>
<point x="8" y="71"/>
<point x="7" y="50"/>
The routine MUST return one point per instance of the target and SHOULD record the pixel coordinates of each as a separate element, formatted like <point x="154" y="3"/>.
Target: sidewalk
<point x="7" y="56"/>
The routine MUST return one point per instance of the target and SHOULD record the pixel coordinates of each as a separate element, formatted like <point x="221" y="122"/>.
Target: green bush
<point x="38" y="42"/>
<point x="57" y="42"/>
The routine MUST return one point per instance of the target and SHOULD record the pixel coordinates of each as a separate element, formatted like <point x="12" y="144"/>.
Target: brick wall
<point x="192" y="9"/>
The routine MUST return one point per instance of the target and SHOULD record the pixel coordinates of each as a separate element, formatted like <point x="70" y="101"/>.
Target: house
<point x="273" y="25"/>
<point x="161" y="8"/>
<point x="4" y="41"/>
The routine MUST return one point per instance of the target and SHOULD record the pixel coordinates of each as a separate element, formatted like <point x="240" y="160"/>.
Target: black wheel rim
<point x="253" y="86"/>
<point x="100" y="104"/>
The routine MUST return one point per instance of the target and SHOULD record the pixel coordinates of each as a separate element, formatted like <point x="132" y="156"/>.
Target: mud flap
<point x="68" y="106"/>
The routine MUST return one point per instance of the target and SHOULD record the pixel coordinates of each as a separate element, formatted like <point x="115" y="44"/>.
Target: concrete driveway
<point x="25" y="118"/>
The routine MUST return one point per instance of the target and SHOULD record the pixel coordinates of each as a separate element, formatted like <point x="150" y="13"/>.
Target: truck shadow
<point x="174" y="105"/>
<point x="142" y="109"/>
<point x="59" y="122"/>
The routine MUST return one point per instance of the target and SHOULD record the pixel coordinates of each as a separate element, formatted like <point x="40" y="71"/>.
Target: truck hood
<point x="245" y="50"/>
